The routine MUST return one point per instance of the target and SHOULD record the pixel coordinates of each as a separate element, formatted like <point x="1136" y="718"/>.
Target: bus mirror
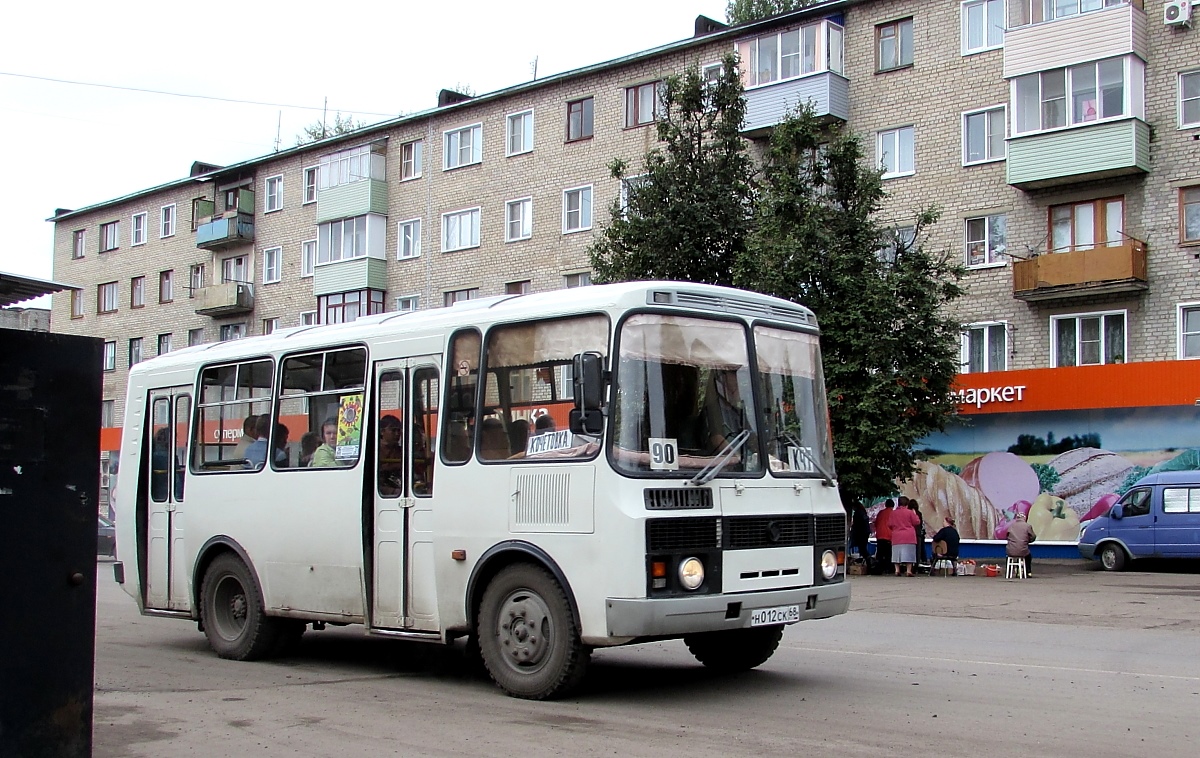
<point x="588" y="385"/>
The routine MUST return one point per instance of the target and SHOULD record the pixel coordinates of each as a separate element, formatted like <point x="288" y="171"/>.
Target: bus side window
<point x="323" y="392"/>
<point x="461" y="389"/>
<point x="229" y="396"/>
<point x="160" y="449"/>
<point x="183" y="413"/>
<point x="389" y="455"/>
<point x="424" y="407"/>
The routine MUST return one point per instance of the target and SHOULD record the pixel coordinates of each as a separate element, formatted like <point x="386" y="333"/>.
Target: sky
<point x="70" y="145"/>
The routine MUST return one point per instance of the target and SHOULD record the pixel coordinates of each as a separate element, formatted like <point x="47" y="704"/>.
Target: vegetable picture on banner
<point x="349" y="427"/>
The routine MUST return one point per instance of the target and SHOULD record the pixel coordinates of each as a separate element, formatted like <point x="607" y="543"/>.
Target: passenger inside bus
<point x="518" y="434"/>
<point x="391" y="456"/>
<point x="493" y="441"/>
<point x="324" y="455"/>
<point x="160" y="464"/>
<point x="308" y="445"/>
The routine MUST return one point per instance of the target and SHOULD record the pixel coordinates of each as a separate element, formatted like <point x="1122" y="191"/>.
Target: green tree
<point x="741" y="11"/>
<point x="890" y="356"/>
<point x="319" y="130"/>
<point x="685" y="214"/>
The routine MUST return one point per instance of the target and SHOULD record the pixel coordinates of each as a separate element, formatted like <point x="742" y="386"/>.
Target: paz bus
<point x="540" y="474"/>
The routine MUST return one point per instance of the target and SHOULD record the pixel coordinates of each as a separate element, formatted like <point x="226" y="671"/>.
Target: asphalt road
<point x="1069" y="663"/>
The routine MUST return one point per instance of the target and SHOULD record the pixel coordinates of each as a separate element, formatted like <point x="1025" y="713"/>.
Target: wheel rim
<point x="230" y="608"/>
<point x="526" y="631"/>
<point x="1108" y="558"/>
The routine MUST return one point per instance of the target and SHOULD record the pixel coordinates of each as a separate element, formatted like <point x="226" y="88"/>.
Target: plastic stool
<point x="1015" y="568"/>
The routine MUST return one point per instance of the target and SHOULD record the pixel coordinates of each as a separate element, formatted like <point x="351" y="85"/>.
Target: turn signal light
<point x="658" y="569"/>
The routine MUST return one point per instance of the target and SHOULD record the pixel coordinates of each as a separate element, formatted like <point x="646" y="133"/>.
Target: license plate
<point x="783" y="614"/>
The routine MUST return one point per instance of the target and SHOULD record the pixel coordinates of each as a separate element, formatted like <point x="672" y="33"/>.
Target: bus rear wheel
<point x="735" y="650"/>
<point x="527" y="635"/>
<point x="231" y="609"/>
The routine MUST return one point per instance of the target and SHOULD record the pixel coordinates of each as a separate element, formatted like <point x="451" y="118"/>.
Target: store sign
<point x="982" y="396"/>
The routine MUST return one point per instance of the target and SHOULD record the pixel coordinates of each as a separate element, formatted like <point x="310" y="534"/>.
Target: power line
<point x="183" y="94"/>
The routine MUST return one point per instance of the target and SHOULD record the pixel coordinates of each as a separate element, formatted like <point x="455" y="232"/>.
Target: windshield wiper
<point x="807" y="454"/>
<point x="709" y="472"/>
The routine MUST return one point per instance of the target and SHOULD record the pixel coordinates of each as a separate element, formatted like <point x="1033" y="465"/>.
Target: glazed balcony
<point x="1082" y="273"/>
<point x="228" y="299"/>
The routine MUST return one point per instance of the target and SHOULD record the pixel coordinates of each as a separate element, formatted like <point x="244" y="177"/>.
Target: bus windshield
<point x="793" y="393"/>
<point x="683" y="397"/>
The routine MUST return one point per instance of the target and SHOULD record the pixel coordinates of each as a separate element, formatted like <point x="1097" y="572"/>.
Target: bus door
<point x="403" y="591"/>
<point x="166" y="561"/>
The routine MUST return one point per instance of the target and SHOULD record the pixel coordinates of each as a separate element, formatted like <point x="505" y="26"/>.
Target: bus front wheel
<point x="231" y="609"/>
<point x="735" y="650"/>
<point x="527" y="635"/>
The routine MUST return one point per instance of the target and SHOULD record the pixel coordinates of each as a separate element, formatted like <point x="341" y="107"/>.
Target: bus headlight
<point x="828" y="564"/>
<point x="691" y="573"/>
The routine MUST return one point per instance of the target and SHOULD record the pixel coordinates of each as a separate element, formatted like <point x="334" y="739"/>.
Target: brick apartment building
<point x="1061" y="138"/>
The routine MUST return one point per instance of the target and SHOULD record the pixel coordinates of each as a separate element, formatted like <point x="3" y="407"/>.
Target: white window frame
<point x="408" y="239"/>
<point x="308" y="258"/>
<point x="711" y="72"/>
<point x="986" y="5"/>
<point x="310" y="185"/>
<point x="581" y="279"/>
<point x="412" y="166"/>
<point x="987" y="123"/>
<point x="230" y="332"/>
<point x="525" y="120"/>
<point x="474" y="215"/>
<point x="234" y="271"/>
<point x="167" y="216"/>
<point x="1132" y="102"/>
<point x="308" y="318"/>
<point x="584" y="224"/>
<point x="408" y="303"/>
<point x="524" y="222"/>
<point x="1000" y="258"/>
<point x="1195" y="74"/>
<point x="1181" y="313"/>
<point x="452" y="145"/>
<point x="272" y="270"/>
<point x="273" y="194"/>
<point x="137" y="228"/>
<point x="965" y="367"/>
<point x="894" y="136"/>
<point x="1092" y="314"/>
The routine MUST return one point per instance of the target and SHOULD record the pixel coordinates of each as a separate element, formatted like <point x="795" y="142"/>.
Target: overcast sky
<point x="69" y="146"/>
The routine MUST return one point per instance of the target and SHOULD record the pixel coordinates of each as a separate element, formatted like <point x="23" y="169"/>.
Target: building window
<point x="983" y="136"/>
<point x="985" y="347"/>
<point x="1189" y="99"/>
<point x="106" y="297"/>
<point x="166" y="221"/>
<point x="408" y="303"/>
<point x="410" y="159"/>
<point x="137" y="234"/>
<point x="308" y="318"/>
<point x="1189" y="330"/>
<point x="894" y="44"/>
<point x="110" y="356"/>
<point x="711" y="73"/>
<point x="523" y="287"/>
<point x="579" y="119"/>
<point x="577" y="209"/>
<point x="895" y="149"/>
<point x="107" y="413"/>
<point x="463" y="147"/>
<point x="232" y="332"/>
<point x="1036" y="11"/>
<point x="1088" y="340"/>
<point x="408" y="238"/>
<point x="135" y="351"/>
<point x="78" y="241"/>
<point x="986" y="241"/>
<point x="343" y="240"/>
<point x="629" y="188"/>
<point x="356" y="164"/>
<point x="195" y="337"/>
<point x="164" y="344"/>
<point x="787" y="55"/>
<point x="582" y="279"/>
<point x="234" y="269"/>
<point x="308" y="257"/>
<point x="982" y="25"/>
<point x="108" y="236"/>
<point x="76" y="303"/>
<point x="520" y="133"/>
<point x="344" y="307"/>
<point x="269" y="325"/>
<point x="137" y="292"/>
<point x="641" y="104"/>
<point x="274" y="194"/>
<point x="457" y="296"/>
<point x="166" y="286"/>
<point x="1083" y="226"/>
<point x="310" y="185"/>
<point x="195" y="278"/>
<point x="1075" y="95"/>
<point x="895" y="241"/>
<point x="460" y="230"/>
<point x="518" y="219"/>
<point x="1189" y="215"/>
<point x="272" y="264"/>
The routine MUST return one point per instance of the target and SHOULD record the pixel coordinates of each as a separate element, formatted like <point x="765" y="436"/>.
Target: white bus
<point x="543" y="474"/>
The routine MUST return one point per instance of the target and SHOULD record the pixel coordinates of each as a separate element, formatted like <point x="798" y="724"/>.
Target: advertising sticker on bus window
<point x="349" y="429"/>
<point x="664" y="454"/>
<point x="545" y="443"/>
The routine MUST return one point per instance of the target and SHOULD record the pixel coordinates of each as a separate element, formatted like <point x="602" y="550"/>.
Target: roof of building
<point x="705" y="33"/>
<point x="17" y="289"/>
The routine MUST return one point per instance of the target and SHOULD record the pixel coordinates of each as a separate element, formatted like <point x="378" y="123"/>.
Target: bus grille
<point x="676" y="534"/>
<point x="831" y="528"/>
<point x="678" y="499"/>
<point x="748" y="532"/>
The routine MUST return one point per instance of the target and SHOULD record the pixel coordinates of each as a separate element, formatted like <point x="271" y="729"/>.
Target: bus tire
<point x="735" y="650"/>
<point x="527" y="634"/>
<point x="231" y="609"/>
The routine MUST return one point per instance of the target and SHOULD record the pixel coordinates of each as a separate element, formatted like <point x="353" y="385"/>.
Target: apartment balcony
<point x="228" y="299"/>
<point x="348" y="275"/>
<point x="230" y="229"/>
<point x="1082" y="273"/>
<point x="1108" y="33"/>
<point x="353" y="199"/>
<point x="827" y="92"/>
<point x="1078" y="154"/>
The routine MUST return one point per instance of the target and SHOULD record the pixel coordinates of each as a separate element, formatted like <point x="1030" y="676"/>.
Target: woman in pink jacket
<point x="904" y="539"/>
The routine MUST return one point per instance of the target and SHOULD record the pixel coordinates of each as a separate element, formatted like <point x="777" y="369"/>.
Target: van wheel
<point x="1112" y="557"/>
<point x="527" y="635"/>
<point x="735" y="650"/>
<point x="231" y="609"/>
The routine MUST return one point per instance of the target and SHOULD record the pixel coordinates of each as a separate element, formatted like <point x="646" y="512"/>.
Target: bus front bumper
<point x="667" y="617"/>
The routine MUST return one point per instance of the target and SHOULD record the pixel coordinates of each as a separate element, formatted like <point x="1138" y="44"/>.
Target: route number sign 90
<point x="664" y="454"/>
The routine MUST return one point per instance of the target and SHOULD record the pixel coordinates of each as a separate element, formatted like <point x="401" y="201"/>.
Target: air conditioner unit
<point x="1177" y="13"/>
